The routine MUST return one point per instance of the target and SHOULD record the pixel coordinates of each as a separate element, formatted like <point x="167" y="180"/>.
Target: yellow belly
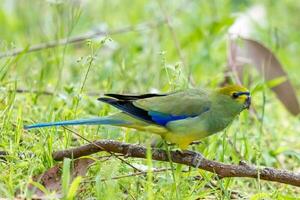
<point x="183" y="141"/>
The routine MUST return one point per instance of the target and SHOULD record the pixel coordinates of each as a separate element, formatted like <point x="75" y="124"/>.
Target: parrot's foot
<point x="197" y="160"/>
<point x="159" y="143"/>
<point x="129" y="152"/>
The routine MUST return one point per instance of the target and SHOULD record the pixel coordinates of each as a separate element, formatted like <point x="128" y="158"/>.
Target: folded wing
<point x="160" y="109"/>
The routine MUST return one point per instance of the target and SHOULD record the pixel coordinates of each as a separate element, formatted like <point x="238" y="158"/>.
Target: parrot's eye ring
<point x="235" y="95"/>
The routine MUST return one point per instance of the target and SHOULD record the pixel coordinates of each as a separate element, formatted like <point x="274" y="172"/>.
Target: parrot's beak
<point x="247" y="102"/>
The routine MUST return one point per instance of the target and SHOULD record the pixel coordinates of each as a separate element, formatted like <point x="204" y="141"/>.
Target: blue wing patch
<point x="162" y="118"/>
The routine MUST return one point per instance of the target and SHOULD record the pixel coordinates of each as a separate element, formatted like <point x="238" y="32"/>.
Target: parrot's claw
<point x="197" y="160"/>
<point x="179" y="151"/>
<point x="129" y="152"/>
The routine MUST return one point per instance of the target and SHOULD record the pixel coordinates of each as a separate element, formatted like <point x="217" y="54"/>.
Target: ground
<point x="147" y="46"/>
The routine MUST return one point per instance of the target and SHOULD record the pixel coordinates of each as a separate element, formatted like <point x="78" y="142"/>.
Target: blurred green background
<point x="148" y="46"/>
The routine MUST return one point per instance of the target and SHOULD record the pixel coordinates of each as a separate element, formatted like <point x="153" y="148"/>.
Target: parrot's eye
<point x="235" y="95"/>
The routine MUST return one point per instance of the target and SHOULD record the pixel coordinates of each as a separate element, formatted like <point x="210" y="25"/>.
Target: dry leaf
<point x="51" y="179"/>
<point x="249" y="52"/>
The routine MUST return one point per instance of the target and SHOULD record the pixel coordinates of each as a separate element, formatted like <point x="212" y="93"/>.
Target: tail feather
<point x="91" y="121"/>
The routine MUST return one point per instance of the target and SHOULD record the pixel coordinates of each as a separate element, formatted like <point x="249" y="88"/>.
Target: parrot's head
<point x="237" y="93"/>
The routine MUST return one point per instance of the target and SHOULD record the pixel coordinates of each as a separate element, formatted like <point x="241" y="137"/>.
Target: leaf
<point x="247" y="52"/>
<point x="51" y="180"/>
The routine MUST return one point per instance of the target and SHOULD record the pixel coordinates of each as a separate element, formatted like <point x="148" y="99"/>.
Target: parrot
<point x="180" y="117"/>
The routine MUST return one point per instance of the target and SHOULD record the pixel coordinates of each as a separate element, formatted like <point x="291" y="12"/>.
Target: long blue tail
<point x="91" y="121"/>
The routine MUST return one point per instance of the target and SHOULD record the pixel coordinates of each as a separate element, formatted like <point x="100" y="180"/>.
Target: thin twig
<point x="173" y="34"/>
<point x="176" y="42"/>
<point x="101" y="148"/>
<point x="49" y="93"/>
<point x="80" y="38"/>
<point x="3" y="154"/>
<point x="210" y="185"/>
<point x="135" y="174"/>
<point x="238" y="153"/>
<point x="43" y="92"/>
<point x="187" y="158"/>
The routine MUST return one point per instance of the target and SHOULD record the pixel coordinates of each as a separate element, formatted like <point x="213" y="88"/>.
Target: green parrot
<point x="180" y="117"/>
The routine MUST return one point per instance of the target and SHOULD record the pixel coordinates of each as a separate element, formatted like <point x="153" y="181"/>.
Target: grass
<point x="144" y="60"/>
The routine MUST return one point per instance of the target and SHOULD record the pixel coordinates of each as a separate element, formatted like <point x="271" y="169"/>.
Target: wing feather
<point x="161" y="109"/>
<point x="189" y="102"/>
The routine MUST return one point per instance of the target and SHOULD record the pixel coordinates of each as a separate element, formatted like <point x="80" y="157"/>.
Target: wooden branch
<point x="188" y="158"/>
